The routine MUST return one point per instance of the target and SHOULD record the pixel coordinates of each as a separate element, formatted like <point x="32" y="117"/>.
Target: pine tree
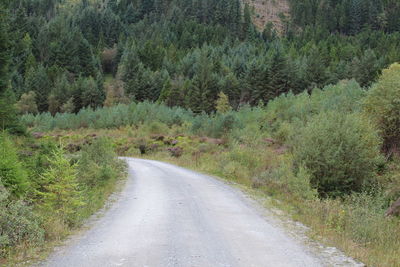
<point x="173" y="92"/>
<point x="86" y="60"/>
<point x="222" y="104"/>
<point x="27" y="103"/>
<point x="62" y="196"/>
<point x="8" y="114"/>
<point x="54" y="104"/>
<point x="69" y="106"/>
<point x="247" y="23"/>
<point x="355" y="16"/>
<point x="129" y="69"/>
<point x="231" y="86"/>
<point x="12" y="174"/>
<point x="279" y="79"/>
<point x="37" y="80"/>
<point x="366" y="69"/>
<point x="4" y="52"/>
<point x="256" y="82"/>
<point x="92" y="95"/>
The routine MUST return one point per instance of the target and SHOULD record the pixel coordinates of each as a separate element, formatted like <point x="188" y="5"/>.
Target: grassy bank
<point x="48" y="189"/>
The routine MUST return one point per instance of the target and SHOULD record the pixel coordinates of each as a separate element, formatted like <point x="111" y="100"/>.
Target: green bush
<point x="298" y="109"/>
<point x="286" y="179"/>
<point x="382" y="104"/>
<point x="98" y="163"/>
<point x="340" y="151"/>
<point x="18" y="223"/>
<point x="12" y="174"/>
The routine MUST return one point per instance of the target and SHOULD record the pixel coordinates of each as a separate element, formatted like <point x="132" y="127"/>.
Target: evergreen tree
<point x="27" y="103"/>
<point x="62" y="196"/>
<point x="69" y="106"/>
<point x="8" y="114"/>
<point x="92" y="95"/>
<point x="222" y="104"/>
<point x="12" y="174"/>
<point x="4" y="52"/>
<point x="247" y="28"/>
<point x="256" y="82"/>
<point x="37" y="80"/>
<point x="356" y="16"/>
<point x="366" y="69"/>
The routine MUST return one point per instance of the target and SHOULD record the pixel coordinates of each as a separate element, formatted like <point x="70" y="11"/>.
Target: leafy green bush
<point x="216" y="125"/>
<point x="12" y="174"/>
<point x="98" y="163"/>
<point x="382" y="104"/>
<point x="286" y="179"/>
<point x="98" y="169"/>
<point x="299" y="109"/>
<point x="340" y="151"/>
<point x="18" y="223"/>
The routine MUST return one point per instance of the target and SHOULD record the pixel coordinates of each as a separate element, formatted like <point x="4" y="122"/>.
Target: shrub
<point x="12" y="173"/>
<point x="340" y="151"/>
<point x="18" y="223"/>
<point x="98" y="163"/>
<point x="382" y="104"/>
<point x="286" y="179"/>
<point x="299" y="109"/>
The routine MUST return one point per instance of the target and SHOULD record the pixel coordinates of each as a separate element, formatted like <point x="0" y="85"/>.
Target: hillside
<point x="265" y="11"/>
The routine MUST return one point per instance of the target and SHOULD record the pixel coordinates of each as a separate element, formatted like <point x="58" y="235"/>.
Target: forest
<point x="184" y="52"/>
<point x="306" y="113"/>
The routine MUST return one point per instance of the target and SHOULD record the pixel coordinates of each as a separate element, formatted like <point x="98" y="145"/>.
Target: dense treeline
<point x="347" y="16"/>
<point x="184" y="52"/>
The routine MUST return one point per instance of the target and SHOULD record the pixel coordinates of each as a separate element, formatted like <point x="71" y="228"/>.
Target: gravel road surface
<point x="170" y="216"/>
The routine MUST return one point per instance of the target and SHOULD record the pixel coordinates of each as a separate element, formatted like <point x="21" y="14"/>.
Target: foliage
<point x="4" y="51"/>
<point x="8" y="114"/>
<point x="222" y="104"/>
<point x="98" y="163"/>
<point x="27" y="103"/>
<point x="382" y="104"/>
<point x="61" y="197"/>
<point x="12" y="174"/>
<point x="184" y="53"/>
<point x="340" y="151"/>
<point x="290" y="111"/>
<point x="285" y="177"/>
<point x="18" y="223"/>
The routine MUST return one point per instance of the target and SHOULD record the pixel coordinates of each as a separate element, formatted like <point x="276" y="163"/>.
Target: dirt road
<point x="170" y="216"/>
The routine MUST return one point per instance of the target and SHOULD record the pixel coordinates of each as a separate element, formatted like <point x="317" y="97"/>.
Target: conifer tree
<point x="62" y="196"/>
<point x="92" y="95"/>
<point x="27" y="103"/>
<point x="355" y="16"/>
<point x="37" y="80"/>
<point x="12" y="174"/>
<point x="4" y="52"/>
<point x="222" y="104"/>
